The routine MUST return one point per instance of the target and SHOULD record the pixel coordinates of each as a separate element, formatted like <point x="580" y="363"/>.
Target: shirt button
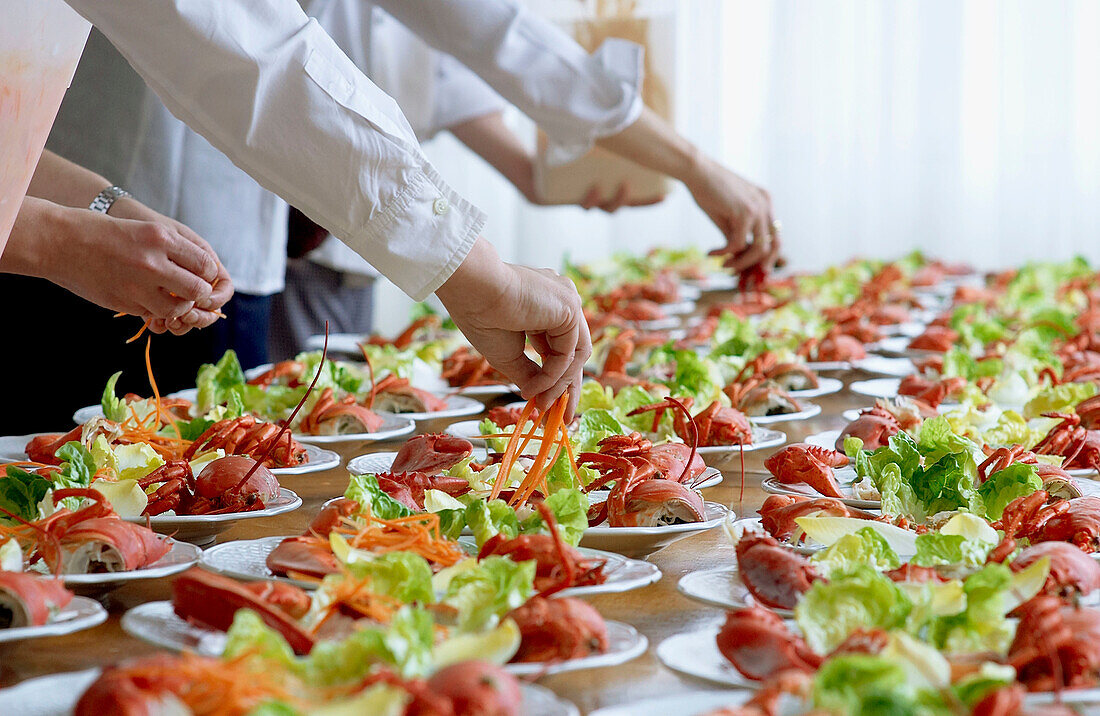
<point x="441" y="206"/>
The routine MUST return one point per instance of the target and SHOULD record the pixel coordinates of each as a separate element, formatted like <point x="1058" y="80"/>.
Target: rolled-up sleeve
<point x="269" y="88"/>
<point x="573" y="96"/>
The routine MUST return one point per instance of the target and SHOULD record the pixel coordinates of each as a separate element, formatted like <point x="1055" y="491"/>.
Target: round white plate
<point x="624" y="644"/>
<point x="894" y="367"/>
<point x="688" y="703"/>
<point x="180" y="557"/>
<point x="876" y="387"/>
<point x="753" y="524"/>
<point x="773" y="486"/>
<point x="457" y="407"/>
<point x="762" y="439"/>
<point x="203" y="529"/>
<point x="80" y="614"/>
<point x="721" y="587"/>
<point x="13" y="448"/>
<point x="825" y="365"/>
<point x="713" y="282"/>
<point x="909" y="329"/>
<point x="467" y="430"/>
<point x="678" y="308"/>
<point x="393" y="426"/>
<point x="320" y="460"/>
<point x="57" y="694"/>
<point x="641" y="541"/>
<point x="696" y="654"/>
<point x="157" y="623"/>
<point x="825" y="386"/>
<point x="246" y="560"/>
<point x="809" y="410"/>
<point x="488" y="390"/>
<point x="88" y="412"/>
<point x="825" y="439"/>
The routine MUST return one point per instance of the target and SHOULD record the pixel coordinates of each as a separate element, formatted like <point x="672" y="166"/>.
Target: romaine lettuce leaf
<point x="1059" y="398"/>
<point x="1004" y="486"/>
<point x="863" y="598"/>
<point x="21" y="492"/>
<point x="570" y="508"/>
<point x="114" y="408"/>
<point x="487" y="518"/>
<point x="484" y="594"/>
<point x="215" y="381"/>
<point x="864" y="546"/>
<point x="364" y="489"/>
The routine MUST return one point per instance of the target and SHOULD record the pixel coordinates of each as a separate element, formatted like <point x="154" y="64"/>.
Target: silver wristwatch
<point x="103" y="201"/>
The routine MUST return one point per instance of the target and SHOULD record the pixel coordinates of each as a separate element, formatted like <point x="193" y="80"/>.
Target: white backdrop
<point x="968" y="128"/>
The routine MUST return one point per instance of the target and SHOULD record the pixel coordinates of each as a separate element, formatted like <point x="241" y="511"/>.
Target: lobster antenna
<point x="287" y="423"/>
<point x="694" y="437"/>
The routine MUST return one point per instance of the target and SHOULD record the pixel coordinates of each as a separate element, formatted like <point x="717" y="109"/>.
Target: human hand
<point x="499" y="307"/>
<point x="204" y="312"/>
<point x="739" y="209"/>
<point x="142" y="268"/>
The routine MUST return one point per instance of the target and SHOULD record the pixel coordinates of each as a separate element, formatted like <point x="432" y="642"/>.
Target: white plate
<point x="824" y="365"/>
<point x="624" y="644"/>
<point x="825" y="386"/>
<point x="657" y="324"/>
<point x="203" y="529"/>
<point x="320" y="460"/>
<point x="894" y="367"/>
<point x="157" y="623"/>
<point x="246" y="560"/>
<point x="88" y="412"/>
<point x="678" y="308"/>
<point x="13" y="448"/>
<point x="898" y="346"/>
<point x="773" y="486"/>
<point x="180" y="557"/>
<point x="640" y="541"/>
<point x="721" y="587"/>
<point x="393" y="426"/>
<point x="688" y="703"/>
<point x="762" y="439"/>
<point x="809" y="410"/>
<point x="488" y="390"/>
<point x="754" y="524"/>
<point x="457" y="407"/>
<point x="713" y="282"/>
<point x="696" y="654"/>
<point x="825" y="439"/>
<point x="80" y="614"/>
<point x="467" y="430"/>
<point x="877" y="387"/>
<point x="57" y="694"/>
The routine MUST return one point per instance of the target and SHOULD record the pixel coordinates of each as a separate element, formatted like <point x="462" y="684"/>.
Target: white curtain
<point x="966" y="128"/>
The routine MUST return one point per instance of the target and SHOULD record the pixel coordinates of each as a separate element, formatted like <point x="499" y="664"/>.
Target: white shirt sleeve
<point x="265" y="85"/>
<point x="574" y="97"/>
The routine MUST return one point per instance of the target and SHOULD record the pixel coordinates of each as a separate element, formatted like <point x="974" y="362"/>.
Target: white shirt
<point x="269" y="88"/>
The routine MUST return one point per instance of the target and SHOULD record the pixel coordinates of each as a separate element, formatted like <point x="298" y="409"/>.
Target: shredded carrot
<point x="419" y="533"/>
<point x="137" y="335"/>
<point x="554" y="438"/>
<point x="156" y="391"/>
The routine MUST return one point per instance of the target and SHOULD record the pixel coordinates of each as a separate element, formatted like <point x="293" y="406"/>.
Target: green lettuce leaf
<point x="594" y="426"/>
<point x="488" y="518"/>
<point x="215" y="381"/>
<point x="364" y="489"/>
<point x="21" y="493"/>
<point x="865" y="546"/>
<point x="570" y="508"/>
<point x="863" y="598"/>
<point x="1004" y="486"/>
<point x="858" y="684"/>
<point x="1059" y="398"/>
<point x="483" y="595"/>
<point x="114" y="408"/>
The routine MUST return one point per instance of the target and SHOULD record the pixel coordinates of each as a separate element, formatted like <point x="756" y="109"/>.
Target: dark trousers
<point x="59" y="351"/>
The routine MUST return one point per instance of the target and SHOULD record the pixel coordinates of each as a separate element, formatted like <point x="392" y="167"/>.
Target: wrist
<point x="41" y="228"/>
<point x="479" y="280"/>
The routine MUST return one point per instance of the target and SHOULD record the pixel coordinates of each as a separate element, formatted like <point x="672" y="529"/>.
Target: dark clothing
<point x="315" y="294"/>
<point x="60" y="350"/>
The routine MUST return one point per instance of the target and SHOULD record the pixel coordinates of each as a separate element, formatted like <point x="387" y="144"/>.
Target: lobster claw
<point x="808" y="464"/>
<point x="760" y="645"/>
<point x="775" y="576"/>
<point x="211" y="600"/>
<point x="779" y="512"/>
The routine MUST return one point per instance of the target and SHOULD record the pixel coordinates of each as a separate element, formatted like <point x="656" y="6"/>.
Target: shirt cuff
<point x="422" y="236"/>
<point x="624" y="61"/>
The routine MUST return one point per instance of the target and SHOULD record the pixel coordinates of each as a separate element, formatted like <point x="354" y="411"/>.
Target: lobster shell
<point x="431" y="454"/>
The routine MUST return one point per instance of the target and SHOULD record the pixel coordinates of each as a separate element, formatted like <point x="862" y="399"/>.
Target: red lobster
<point x="234" y="483"/>
<point x="248" y="435"/>
<point x="935" y="338"/>
<point x="874" y="426"/>
<point x="1056" y="646"/>
<point x="715" y="425"/>
<point x="1076" y="521"/>
<point x="1080" y="447"/>
<point x="802" y="463"/>
<point x="775" y="575"/>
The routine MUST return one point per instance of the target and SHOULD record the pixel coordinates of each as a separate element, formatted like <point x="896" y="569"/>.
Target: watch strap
<point x="103" y="201"/>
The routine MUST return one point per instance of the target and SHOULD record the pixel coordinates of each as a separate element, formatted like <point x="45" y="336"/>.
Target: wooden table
<point x="658" y="611"/>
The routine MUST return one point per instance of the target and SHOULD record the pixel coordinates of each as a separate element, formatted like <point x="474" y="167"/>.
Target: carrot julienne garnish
<point x="555" y="437"/>
<point x="419" y="533"/>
